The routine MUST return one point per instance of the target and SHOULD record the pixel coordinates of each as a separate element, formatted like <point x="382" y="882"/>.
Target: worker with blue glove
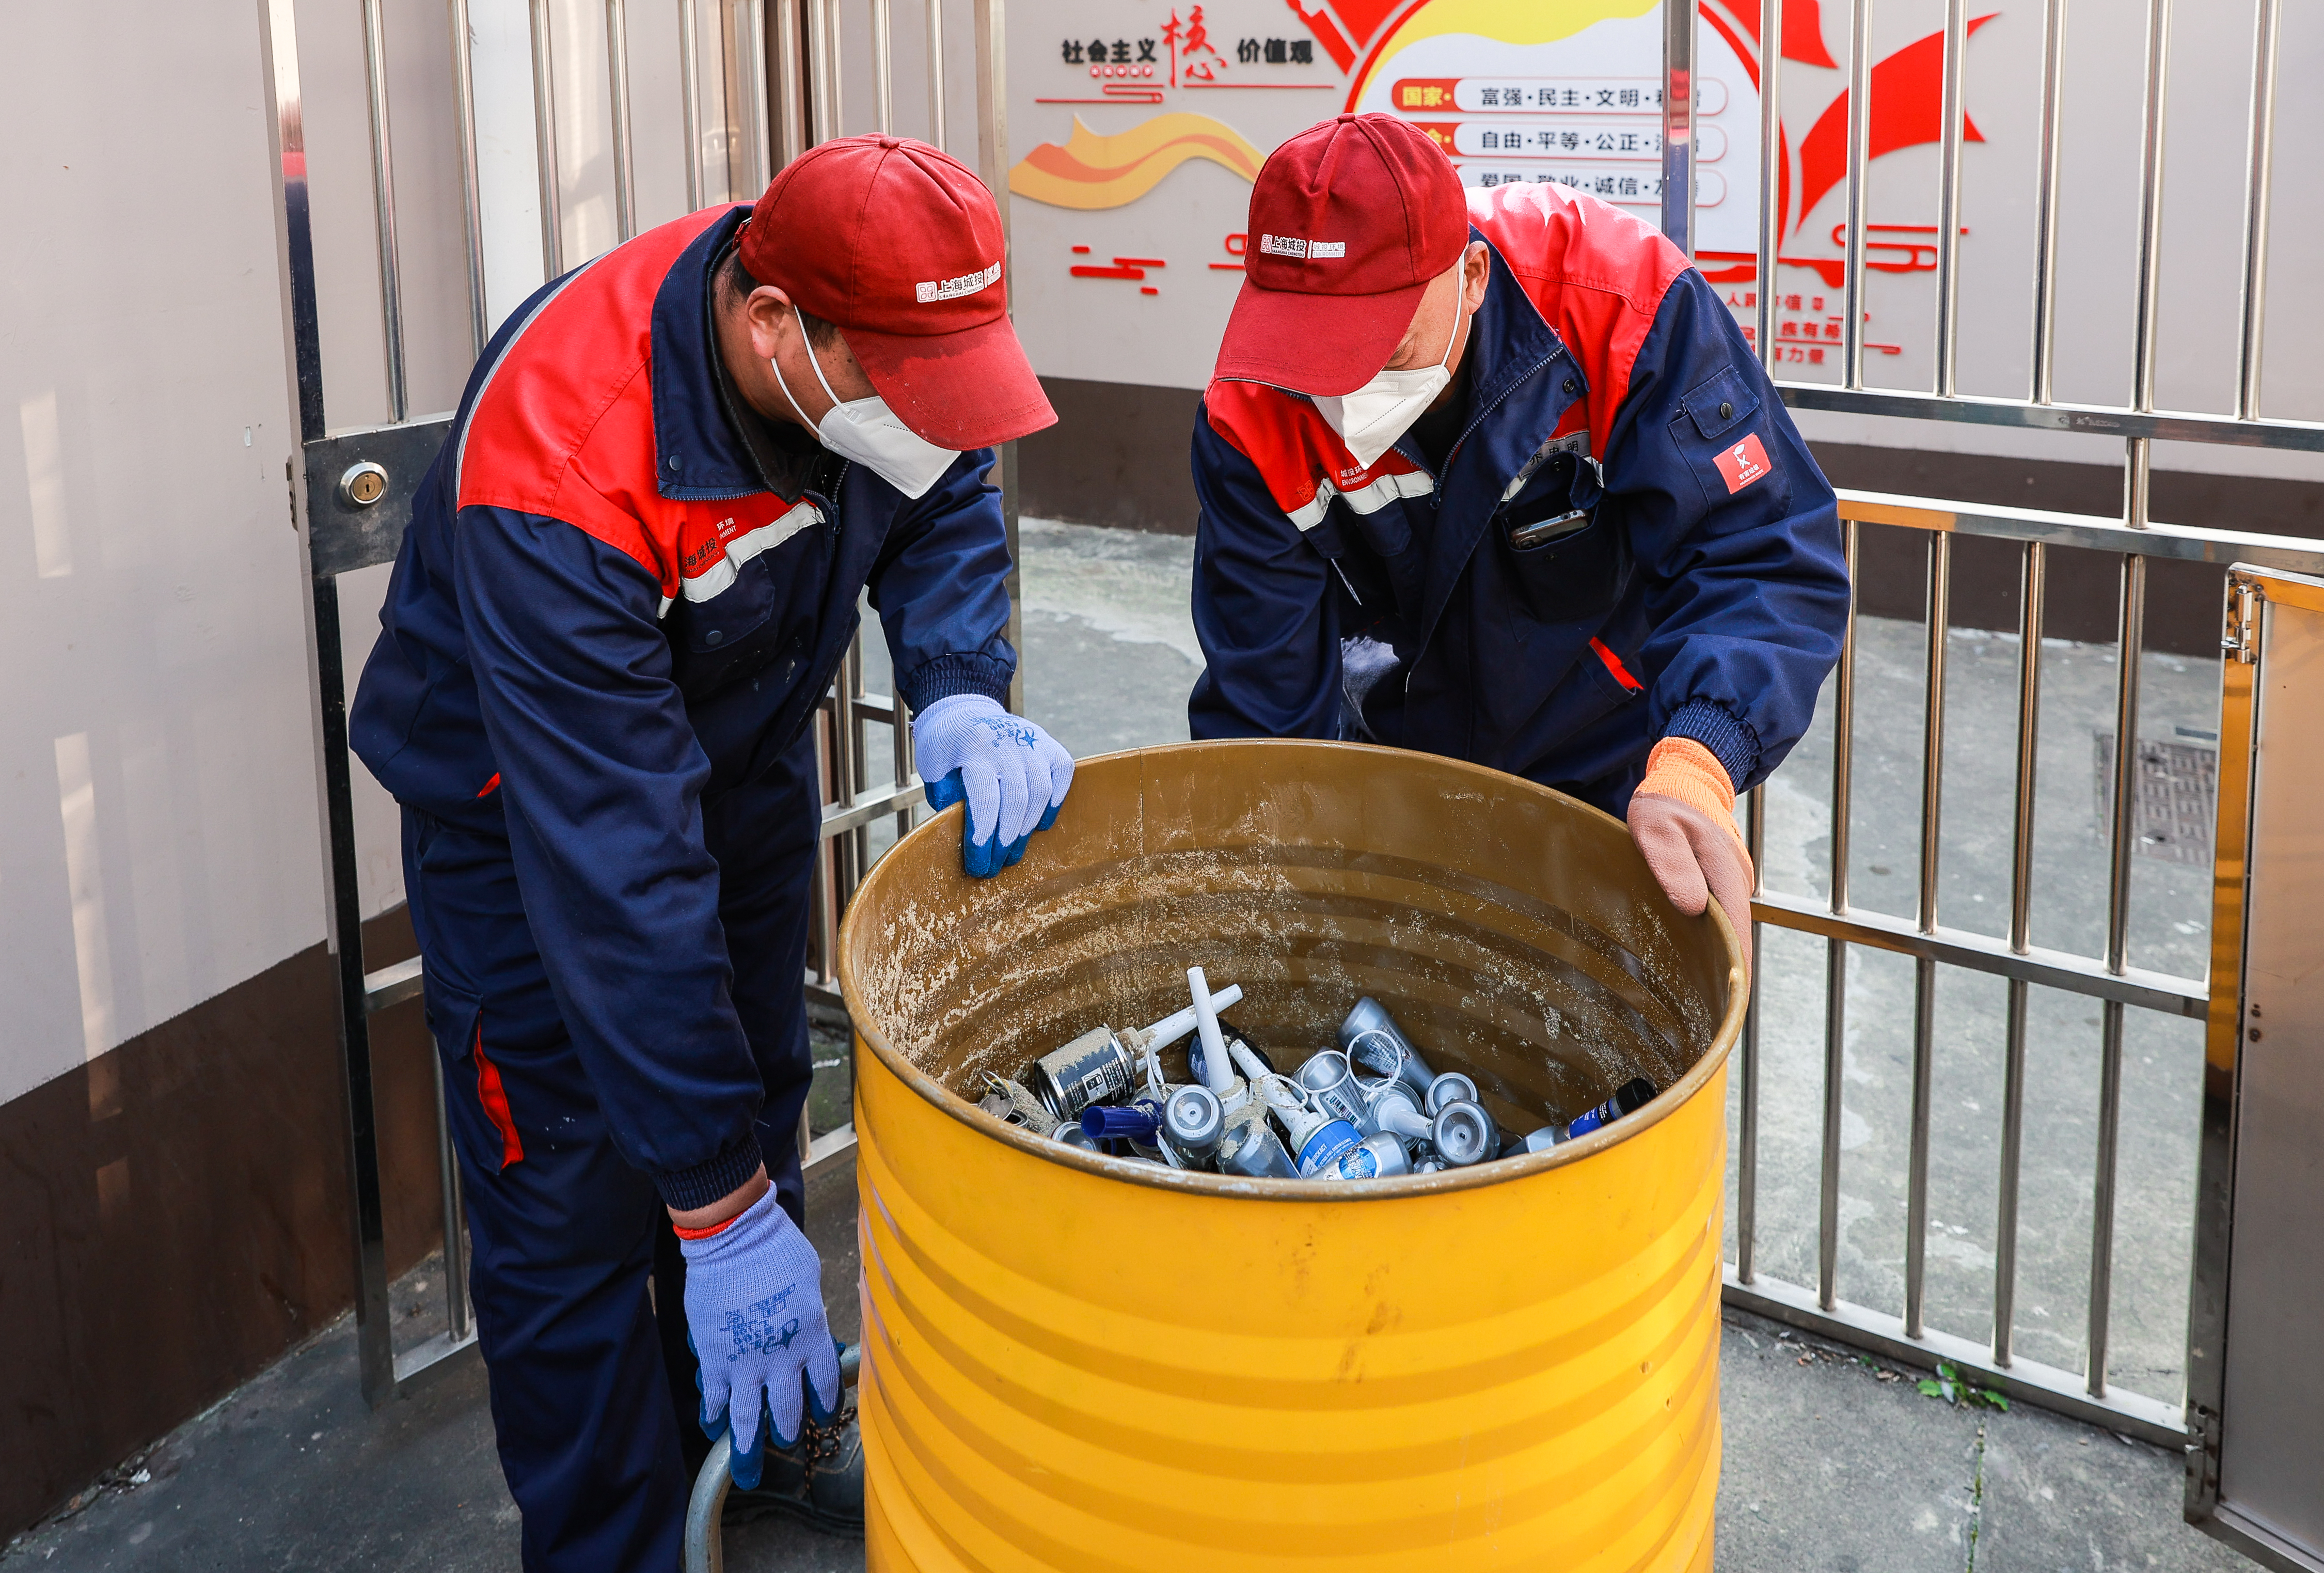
<point x="629" y="579"/>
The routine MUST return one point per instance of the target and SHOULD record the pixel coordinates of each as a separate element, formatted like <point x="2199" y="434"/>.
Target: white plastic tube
<point x="1218" y="1070"/>
<point x="1178" y="1024"/>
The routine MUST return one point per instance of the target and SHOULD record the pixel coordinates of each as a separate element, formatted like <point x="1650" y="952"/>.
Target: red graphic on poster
<point x="1189" y="40"/>
<point x="1742" y="464"/>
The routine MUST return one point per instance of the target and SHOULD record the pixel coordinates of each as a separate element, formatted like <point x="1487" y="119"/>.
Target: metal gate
<point x="2110" y="978"/>
<point x="756" y="82"/>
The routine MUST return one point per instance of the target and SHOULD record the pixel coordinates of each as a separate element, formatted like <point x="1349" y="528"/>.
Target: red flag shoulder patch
<point x="1742" y="462"/>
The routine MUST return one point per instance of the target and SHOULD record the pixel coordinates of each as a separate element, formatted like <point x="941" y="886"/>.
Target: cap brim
<point x="970" y="389"/>
<point x="1318" y="345"/>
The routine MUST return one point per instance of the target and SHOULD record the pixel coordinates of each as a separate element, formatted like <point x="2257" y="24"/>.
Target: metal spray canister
<point x="1378" y="1156"/>
<point x="1093" y="1069"/>
<point x="1329" y="1080"/>
<point x="1464" y="1133"/>
<point x="1370" y="1037"/>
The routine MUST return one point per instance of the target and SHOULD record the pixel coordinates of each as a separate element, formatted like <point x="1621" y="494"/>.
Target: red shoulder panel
<point x="1300" y="458"/>
<point x="1596" y="274"/>
<point x="575" y="379"/>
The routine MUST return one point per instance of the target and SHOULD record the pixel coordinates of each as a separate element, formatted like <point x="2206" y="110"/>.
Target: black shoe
<point x="819" y="1481"/>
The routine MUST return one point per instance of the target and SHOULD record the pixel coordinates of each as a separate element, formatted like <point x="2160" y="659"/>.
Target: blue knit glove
<point x="1012" y="775"/>
<point x="754" y="1315"/>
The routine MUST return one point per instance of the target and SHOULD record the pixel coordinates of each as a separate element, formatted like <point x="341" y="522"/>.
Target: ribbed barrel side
<point x="1064" y="1371"/>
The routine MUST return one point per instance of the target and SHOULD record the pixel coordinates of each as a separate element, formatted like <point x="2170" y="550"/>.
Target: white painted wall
<point x="157" y="798"/>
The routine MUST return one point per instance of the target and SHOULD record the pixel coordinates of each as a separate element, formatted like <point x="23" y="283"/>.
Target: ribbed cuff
<point x="1727" y="735"/>
<point x="971" y="672"/>
<point x="685" y="1189"/>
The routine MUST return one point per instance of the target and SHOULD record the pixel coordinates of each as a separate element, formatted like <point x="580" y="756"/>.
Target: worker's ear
<point x="773" y="322"/>
<point x="1476" y="268"/>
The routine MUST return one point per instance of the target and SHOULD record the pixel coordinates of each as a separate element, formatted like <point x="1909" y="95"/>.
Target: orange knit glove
<point x="1683" y="817"/>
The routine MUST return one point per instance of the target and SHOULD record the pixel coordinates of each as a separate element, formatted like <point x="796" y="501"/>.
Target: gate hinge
<point x="2202" y="1462"/>
<point x="2241" y="639"/>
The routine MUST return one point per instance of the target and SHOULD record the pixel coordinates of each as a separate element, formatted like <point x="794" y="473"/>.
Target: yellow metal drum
<point x="1076" y="1362"/>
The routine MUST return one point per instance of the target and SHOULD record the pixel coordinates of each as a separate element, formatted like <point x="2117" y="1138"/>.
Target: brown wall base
<point x="1118" y="455"/>
<point x="176" y="1216"/>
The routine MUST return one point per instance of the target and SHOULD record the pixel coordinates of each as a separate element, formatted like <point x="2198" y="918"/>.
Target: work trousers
<point x="594" y="1401"/>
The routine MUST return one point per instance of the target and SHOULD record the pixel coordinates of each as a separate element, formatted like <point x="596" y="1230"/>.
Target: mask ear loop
<point x="835" y="399"/>
<point x="784" y="382"/>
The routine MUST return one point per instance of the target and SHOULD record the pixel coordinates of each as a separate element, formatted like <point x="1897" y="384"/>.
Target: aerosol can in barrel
<point x="1378" y="1156"/>
<point x="1463" y="1133"/>
<point x="1370" y="1037"/>
<point x="1330" y="1082"/>
<point x="1395" y="1110"/>
<point x="1100" y="1067"/>
<point x="1629" y="1098"/>
<point x="1318" y="1137"/>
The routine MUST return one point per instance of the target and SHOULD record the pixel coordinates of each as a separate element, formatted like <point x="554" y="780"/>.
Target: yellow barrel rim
<point x="1493" y="1171"/>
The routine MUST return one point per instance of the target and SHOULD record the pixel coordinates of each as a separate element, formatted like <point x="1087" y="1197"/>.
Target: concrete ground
<point x="1830" y="1462"/>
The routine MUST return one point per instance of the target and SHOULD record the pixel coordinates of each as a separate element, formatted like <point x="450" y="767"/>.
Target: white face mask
<point x="1370" y="420"/>
<point x="867" y="431"/>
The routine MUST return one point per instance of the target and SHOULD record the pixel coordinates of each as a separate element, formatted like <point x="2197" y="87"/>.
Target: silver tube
<point x="2046" y="200"/>
<point x="1771" y="156"/>
<point x="1843" y="730"/>
<point x="2150" y="201"/>
<point x="617" y="90"/>
<point x="1916" y="1162"/>
<point x="383" y="190"/>
<point x="1746" y="1144"/>
<point x="883" y="68"/>
<point x="689" y="98"/>
<point x="851" y="679"/>
<point x="1932" y="723"/>
<point x="1835" y="1057"/>
<point x="822" y="73"/>
<point x="790" y="80"/>
<point x="993" y="168"/>
<point x="2260" y="165"/>
<point x="1678" y="123"/>
<point x="2122" y="828"/>
<point x="752" y="22"/>
<point x="2029" y="734"/>
<point x="2013" y="1146"/>
<point x="902" y="756"/>
<point x="471" y="206"/>
<point x="1859" y="157"/>
<point x="846" y="768"/>
<point x="544" y="136"/>
<point x="1949" y="198"/>
<point x="935" y="74"/>
<point x="821" y="893"/>
<point x="2137" y="487"/>
<point x="2102" y="1194"/>
<point x="447" y="1180"/>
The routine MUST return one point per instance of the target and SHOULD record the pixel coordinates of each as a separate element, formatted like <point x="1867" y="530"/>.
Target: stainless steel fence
<point x="354" y="489"/>
<point x="2111" y="978"/>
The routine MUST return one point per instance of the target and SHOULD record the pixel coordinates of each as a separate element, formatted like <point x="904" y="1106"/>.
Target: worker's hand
<point x="1012" y="775"/>
<point x="755" y="1315"/>
<point x="1683" y="817"/>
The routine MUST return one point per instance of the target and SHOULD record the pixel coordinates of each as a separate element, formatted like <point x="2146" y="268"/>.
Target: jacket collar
<point x="697" y="453"/>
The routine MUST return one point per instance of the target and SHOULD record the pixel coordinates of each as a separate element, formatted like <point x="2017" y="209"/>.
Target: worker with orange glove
<point x="1493" y="474"/>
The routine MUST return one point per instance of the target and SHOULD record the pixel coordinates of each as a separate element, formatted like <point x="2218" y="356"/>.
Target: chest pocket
<point x="739" y="629"/>
<point x="1569" y="562"/>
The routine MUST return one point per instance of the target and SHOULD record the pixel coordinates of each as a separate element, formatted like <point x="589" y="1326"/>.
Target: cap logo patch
<point x="1294" y="245"/>
<point x="954" y="289"/>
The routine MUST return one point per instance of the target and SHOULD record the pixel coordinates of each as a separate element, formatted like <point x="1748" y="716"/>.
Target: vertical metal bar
<point x="544" y="136"/>
<point x="993" y="168"/>
<point x="1678" y="123"/>
<point x="823" y="73"/>
<point x="791" y="83"/>
<point x="472" y="207"/>
<point x="1916" y="1159"/>
<point x="1933" y="722"/>
<point x="447" y="1179"/>
<point x="847" y="758"/>
<point x="935" y="74"/>
<point x="1746" y="1145"/>
<point x="617" y="86"/>
<point x="1771" y="185"/>
<point x="750" y="22"/>
<point x="823" y="891"/>
<point x="2122" y="833"/>
<point x="883" y="68"/>
<point x="2137" y="487"/>
<point x="2045" y="197"/>
<point x="689" y="98"/>
<point x="2260" y="170"/>
<point x="2150" y="200"/>
<point x="1835" y="1002"/>
<point x="1949" y="198"/>
<point x="902" y="756"/>
<point x="383" y="190"/>
<point x="1860" y="120"/>
<point x="2021" y="940"/>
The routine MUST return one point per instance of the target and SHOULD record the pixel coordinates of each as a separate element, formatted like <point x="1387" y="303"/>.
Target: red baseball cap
<point x="1350" y="220"/>
<point x="900" y="245"/>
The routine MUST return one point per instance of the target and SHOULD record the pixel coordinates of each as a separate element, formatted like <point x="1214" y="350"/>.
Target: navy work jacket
<point x="1687" y="581"/>
<point x="604" y="616"/>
